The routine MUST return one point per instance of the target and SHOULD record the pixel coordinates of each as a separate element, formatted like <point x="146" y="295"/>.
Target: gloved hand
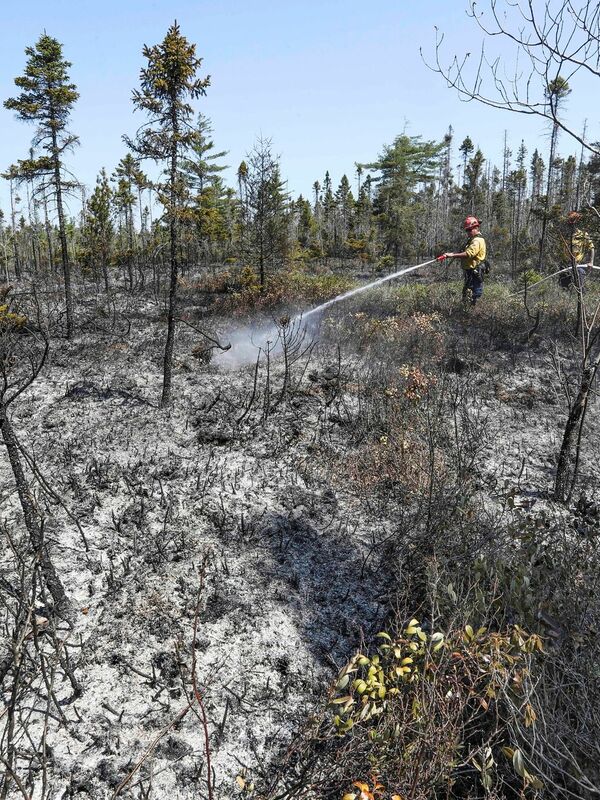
<point x="442" y="257"/>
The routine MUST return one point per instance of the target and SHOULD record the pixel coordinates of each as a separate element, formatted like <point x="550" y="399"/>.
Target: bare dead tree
<point x="24" y="348"/>
<point x="552" y="41"/>
<point x="570" y="451"/>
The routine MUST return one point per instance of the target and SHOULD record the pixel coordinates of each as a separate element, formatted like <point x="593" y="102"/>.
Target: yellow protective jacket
<point x="475" y="251"/>
<point x="577" y="247"/>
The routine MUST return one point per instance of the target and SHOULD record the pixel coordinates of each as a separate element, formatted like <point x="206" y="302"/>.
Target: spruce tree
<point x="203" y="175"/>
<point x="46" y="100"/>
<point x="556" y="92"/>
<point x="168" y="83"/>
<point x="201" y="167"/>
<point x="99" y="230"/>
<point x="345" y="204"/>
<point x="473" y="176"/>
<point x="128" y="177"/>
<point x="465" y="149"/>
<point x="266" y="241"/>
<point x="402" y="167"/>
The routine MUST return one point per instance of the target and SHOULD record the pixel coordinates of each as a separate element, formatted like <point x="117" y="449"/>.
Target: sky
<point x="329" y="82"/>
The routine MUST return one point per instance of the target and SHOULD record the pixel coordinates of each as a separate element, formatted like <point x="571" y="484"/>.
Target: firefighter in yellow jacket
<point x="473" y="261"/>
<point x="577" y="252"/>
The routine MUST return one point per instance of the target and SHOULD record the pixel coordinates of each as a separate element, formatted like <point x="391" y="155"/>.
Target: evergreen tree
<point x="593" y="173"/>
<point x="201" y="167"/>
<point x="328" y="223"/>
<point x="306" y="226"/>
<point x="242" y="178"/>
<point x="202" y="172"/>
<point x="466" y="148"/>
<point x="266" y="243"/>
<point x="516" y="187"/>
<point x="344" y="201"/>
<point x="129" y="177"/>
<point x="46" y="100"/>
<point x="402" y="167"/>
<point x="536" y="172"/>
<point x="473" y="176"/>
<point x="168" y="83"/>
<point x="211" y="213"/>
<point x="556" y="92"/>
<point x="99" y="227"/>
<point x="568" y="182"/>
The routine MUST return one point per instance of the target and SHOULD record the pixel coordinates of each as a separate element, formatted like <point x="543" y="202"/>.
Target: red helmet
<point x="471" y="222"/>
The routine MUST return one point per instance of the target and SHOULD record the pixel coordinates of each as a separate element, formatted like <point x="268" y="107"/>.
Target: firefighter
<point x="576" y="245"/>
<point x="473" y="261"/>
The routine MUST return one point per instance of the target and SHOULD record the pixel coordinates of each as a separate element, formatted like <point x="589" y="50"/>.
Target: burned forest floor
<point x="240" y="545"/>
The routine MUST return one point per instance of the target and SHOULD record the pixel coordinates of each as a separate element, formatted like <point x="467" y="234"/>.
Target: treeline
<point x="407" y="203"/>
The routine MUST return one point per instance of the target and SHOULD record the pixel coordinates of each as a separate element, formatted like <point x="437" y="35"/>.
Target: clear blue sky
<point x="328" y="81"/>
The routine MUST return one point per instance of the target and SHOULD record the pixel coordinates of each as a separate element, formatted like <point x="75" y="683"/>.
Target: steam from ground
<point x="251" y="342"/>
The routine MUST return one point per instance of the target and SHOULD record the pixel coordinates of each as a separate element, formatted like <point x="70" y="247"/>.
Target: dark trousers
<point x="565" y="280"/>
<point x="473" y="285"/>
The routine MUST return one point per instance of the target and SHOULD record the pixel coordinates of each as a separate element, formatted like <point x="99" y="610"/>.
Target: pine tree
<point x="344" y="201"/>
<point x="328" y="223"/>
<point x="402" y="168"/>
<point x="99" y="227"/>
<point x="46" y="100"/>
<point x="306" y="226"/>
<point x="556" y="92"/>
<point x="536" y="173"/>
<point x="267" y="242"/>
<point x="473" y="176"/>
<point x="242" y="178"/>
<point x="201" y="167"/>
<point x="168" y="83"/>
<point x="516" y="186"/>
<point x="466" y="148"/>
<point x="211" y="214"/>
<point x="128" y="177"/>
<point x="203" y="175"/>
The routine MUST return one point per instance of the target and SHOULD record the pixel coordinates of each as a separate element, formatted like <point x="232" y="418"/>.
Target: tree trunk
<point x="174" y="230"/>
<point x="13" y="214"/>
<point x="48" y="230"/>
<point x="129" y="228"/>
<point x="576" y="418"/>
<point x="63" y="238"/>
<point x="105" y="270"/>
<point x="543" y="232"/>
<point x="32" y="520"/>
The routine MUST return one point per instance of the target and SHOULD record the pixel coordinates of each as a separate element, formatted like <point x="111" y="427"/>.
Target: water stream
<point x="248" y="342"/>
<point x="360" y="289"/>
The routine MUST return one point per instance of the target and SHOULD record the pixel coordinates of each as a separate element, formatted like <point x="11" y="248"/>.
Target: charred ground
<point x="272" y="521"/>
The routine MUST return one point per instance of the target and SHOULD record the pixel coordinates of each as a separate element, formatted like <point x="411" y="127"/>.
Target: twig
<point x="151" y="749"/>
<point x="197" y="695"/>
